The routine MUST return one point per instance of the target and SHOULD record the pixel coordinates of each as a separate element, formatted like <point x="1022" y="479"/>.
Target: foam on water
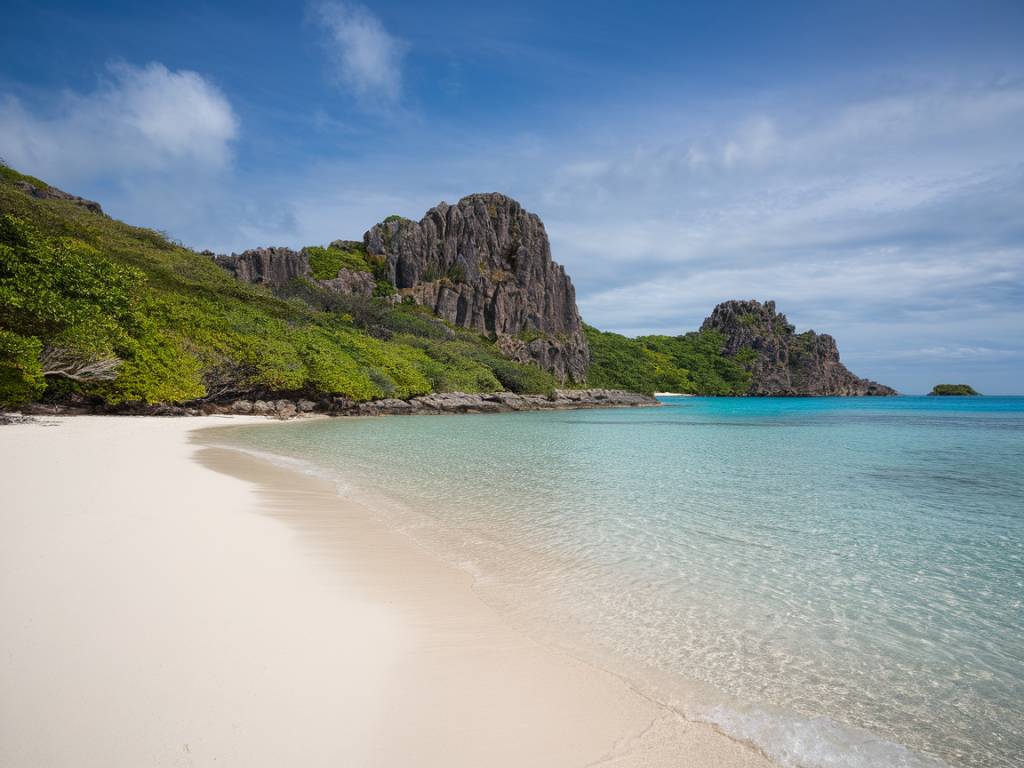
<point x="837" y="581"/>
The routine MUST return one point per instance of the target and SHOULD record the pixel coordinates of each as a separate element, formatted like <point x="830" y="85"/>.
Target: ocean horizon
<point x="837" y="581"/>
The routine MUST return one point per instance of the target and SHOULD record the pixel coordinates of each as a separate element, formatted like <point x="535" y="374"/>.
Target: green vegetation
<point x="327" y="262"/>
<point x="21" y="373"/>
<point x="93" y="308"/>
<point x="10" y="176"/>
<point x="953" y="389"/>
<point x="693" y="363"/>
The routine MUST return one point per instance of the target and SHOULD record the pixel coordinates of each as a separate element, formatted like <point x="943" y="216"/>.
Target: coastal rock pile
<point x="432" y="404"/>
<point x="485" y="264"/>
<point x="497" y="402"/>
<point x="785" y="363"/>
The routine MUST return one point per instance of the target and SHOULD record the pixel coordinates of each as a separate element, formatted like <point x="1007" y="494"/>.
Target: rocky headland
<point x="483" y="264"/>
<point x="782" y="362"/>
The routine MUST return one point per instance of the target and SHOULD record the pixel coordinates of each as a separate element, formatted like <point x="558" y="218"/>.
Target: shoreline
<point x="433" y="404"/>
<point x="268" y="620"/>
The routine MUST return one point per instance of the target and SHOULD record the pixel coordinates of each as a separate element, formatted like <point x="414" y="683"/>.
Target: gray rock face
<point x="52" y="193"/>
<point x="786" y="363"/>
<point x="485" y="264"/>
<point x="274" y="267"/>
<point x="351" y="281"/>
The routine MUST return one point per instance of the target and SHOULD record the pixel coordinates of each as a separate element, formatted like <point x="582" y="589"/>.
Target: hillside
<point x="94" y="310"/>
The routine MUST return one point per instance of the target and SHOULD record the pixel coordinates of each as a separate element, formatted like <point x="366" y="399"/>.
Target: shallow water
<point x="839" y="581"/>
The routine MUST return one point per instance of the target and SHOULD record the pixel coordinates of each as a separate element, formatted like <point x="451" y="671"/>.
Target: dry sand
<point x="168" y="604"/>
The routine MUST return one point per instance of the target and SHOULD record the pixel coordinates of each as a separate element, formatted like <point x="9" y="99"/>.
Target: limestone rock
<point x="485" y="264"/>
<point x="52" y="193"/>
<point x="274" y="267"/>
<point x="785" y="363"/>
<point x="351" y="281"/>
<point x="277" y="267"/>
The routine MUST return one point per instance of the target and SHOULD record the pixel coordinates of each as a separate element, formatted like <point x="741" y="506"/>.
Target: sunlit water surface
<point x="839" y="581"/>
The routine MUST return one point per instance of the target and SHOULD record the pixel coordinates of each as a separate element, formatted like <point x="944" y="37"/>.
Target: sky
<point x="860" y="163"/>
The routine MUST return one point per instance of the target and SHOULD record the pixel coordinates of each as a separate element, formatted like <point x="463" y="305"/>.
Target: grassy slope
<point x="95" y="288"/>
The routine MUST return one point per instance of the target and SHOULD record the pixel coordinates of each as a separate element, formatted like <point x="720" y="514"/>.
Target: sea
<point x="837" y="581"/>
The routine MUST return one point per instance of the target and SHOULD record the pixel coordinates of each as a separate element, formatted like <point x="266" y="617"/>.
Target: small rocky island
<point x="946" y="390"/>
<point x="782" y="362"/>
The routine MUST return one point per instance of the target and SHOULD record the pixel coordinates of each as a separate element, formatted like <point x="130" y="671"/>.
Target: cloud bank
<point x="138" y="120"/>
<point x="367" y="59"/>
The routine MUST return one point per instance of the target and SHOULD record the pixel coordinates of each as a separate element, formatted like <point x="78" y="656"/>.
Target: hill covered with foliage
<point x="689" y="364"/>
<point x="96" y="310"/>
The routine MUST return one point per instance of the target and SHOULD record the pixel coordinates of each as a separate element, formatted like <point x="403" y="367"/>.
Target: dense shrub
<point x="21" y="374"/>
<point x="326" y="262"/>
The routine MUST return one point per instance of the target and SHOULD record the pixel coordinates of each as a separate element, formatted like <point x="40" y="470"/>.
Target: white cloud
<point x="367" y="59"/>
<point x="138" y="120"/>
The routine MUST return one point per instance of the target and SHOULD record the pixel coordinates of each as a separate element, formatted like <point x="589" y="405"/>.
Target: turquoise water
<point x="839" y="581"/>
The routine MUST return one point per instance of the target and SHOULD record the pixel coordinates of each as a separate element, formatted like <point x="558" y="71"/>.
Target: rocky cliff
<point x="781" y="361"/>
<point x="278" y="267"/>
<point x="485" y="264"/>
<point x="268" y="266"/>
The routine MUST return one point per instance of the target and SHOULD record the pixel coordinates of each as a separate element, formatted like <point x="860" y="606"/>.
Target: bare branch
<point x="77" y="367"/>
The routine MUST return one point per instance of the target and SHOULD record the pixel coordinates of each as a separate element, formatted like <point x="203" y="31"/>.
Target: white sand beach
<point x="163" y="603"/>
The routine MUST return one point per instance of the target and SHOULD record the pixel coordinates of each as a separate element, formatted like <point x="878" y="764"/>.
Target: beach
<point x="168" y="603"/>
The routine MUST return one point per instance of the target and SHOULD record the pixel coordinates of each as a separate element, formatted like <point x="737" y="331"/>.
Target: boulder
<point x="353" y="281"/>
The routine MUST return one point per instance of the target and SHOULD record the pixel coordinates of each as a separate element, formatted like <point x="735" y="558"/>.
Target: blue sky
<point x="860" y="163"/>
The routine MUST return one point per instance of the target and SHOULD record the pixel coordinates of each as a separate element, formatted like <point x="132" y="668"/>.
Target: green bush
<point x="21" y="374"/>
<point x="692" y="363"/>
<point x="325" y="263"/>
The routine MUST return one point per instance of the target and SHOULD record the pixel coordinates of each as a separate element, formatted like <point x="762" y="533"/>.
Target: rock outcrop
<point x="781" y="361"/>
<point x="485" y="263"/>
<point x="277" y="267"/>
<point x="350" y="281"/>
<point x="274" y="267"/>
<point x="46" y="192"/>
